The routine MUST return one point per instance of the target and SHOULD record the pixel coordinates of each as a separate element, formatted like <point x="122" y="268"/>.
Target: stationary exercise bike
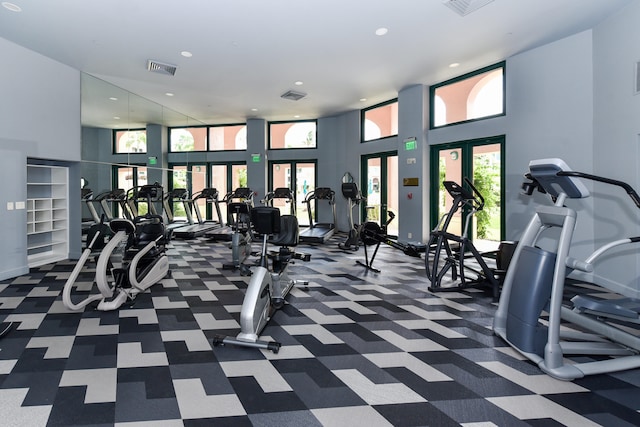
<point x="143" y="262"/>
<point x="268" y="287"/>
<point x="354" y="198"/>
<point x="373" y="234"/>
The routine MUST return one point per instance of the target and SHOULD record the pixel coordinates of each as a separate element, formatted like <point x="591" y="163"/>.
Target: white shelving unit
<point x="47" y="214"/>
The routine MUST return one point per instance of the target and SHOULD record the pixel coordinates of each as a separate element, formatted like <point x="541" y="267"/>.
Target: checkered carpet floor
<point x="358" y="349"/>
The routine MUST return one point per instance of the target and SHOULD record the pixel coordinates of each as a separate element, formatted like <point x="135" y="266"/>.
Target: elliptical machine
<point x="535" y="283"/>
<point x="267" y="288"/>
<point x="143" y="262"/>
<point x="449" y="252"/>
<point x="354" y="198"/>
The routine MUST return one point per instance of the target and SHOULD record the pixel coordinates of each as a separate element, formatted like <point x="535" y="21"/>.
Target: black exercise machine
<point x="322" y="231"/>
<point x="201" y="226"/>
<point x="450" y="252"/>
<point x="372" y="233"/>
<point x="354" y="198"/>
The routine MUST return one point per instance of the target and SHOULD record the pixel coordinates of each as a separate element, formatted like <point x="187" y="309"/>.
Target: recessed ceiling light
<point x="254" y="109"/>
<point x="169" y="94"/>
<point x="116" y="118"/>
<point x="113" y="98"/>
<point x="12" y="7"/>
<point x="297" y="116"/>
<point x="363" y="99"/>
<point x="382" y="31"/>
<point x="186" y="54"/>
<point x="454" y="65"/>
<point x="299" y="83"/>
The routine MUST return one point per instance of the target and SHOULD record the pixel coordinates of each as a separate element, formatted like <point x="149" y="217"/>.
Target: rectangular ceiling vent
<point x="465" y="7"/>
<point x="161" y="68"/>
<point x="292" y="95"/>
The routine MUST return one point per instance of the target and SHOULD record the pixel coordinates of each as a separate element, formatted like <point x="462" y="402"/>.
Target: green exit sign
<point x="153" y="160"/>
<point x="410" y="144"/>
<point x="255" y="158"/>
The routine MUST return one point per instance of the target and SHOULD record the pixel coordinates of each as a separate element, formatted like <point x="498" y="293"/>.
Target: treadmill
<point x="319" y="232"/>
<point x="281" y="193"/>
<point x="174" y="196"/>
<point x="239" y="195"/>
<point x="202" y="226"/>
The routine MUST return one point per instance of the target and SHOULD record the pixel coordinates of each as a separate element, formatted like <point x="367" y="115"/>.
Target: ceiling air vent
<point x="159" y="67"/>
<point x="292" y="95"/>
<point x="465" y="7"/>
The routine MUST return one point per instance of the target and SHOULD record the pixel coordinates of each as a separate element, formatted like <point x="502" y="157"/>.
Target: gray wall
<point x="39" y="118"/>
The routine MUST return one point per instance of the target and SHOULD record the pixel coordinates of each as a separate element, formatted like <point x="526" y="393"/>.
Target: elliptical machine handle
<point x="478" y="199"/>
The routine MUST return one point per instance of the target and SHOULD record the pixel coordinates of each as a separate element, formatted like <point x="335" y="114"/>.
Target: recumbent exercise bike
<point x="267" y="288"/>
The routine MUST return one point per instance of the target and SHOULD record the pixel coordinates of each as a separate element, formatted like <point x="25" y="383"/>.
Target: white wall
<point x="550" y="114"/>
<point x="617" y="140"/>
<point x="39" y="117"/>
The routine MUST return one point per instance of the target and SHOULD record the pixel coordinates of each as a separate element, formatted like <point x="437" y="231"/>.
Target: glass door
<point x="299" y="176"/>
<point x="226" y="177"/>
<point x="380" y="175"/>
<point x="128" y="178"/>
<point x="480" y="161"/>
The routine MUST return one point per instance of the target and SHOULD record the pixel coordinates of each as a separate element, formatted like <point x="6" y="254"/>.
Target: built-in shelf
<point x="47" y="214"/>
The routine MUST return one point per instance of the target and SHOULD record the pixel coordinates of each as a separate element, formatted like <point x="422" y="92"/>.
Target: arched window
<point x="485" y="99"/>
<point x="440" y="112"/>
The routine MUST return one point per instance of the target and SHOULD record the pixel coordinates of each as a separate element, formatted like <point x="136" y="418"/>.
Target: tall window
<point x="380" y="121"/>
<point x="473" y="96"/>
<point x="130" y="141"/>
<point x="284" y="135"/>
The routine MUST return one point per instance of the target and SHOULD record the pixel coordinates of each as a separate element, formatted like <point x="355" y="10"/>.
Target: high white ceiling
<point x="246" y="53"/>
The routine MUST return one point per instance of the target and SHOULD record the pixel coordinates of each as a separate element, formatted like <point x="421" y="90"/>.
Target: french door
<point x="127" y="178"/>
<point x="481" y="161"/>
<point x="379" y="184"/>
<point x="224" y="177"/>
<point x="297" y="175"/>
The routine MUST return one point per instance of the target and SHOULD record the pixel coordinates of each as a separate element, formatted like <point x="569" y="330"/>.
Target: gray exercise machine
<point x="269" y="285"/>
<point x="535" y="284"/>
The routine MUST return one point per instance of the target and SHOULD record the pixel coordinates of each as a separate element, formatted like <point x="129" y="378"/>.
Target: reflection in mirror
<point x="138" y="156"/>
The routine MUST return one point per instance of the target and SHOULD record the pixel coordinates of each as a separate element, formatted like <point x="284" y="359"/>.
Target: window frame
<point x="432" y="94"/>
<point x="363" y="120"/>
<point x="114" y="142"/>
<point x="207" y="148"/>
<point x="315" y="121"/>
<point x="206" y="138"/>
